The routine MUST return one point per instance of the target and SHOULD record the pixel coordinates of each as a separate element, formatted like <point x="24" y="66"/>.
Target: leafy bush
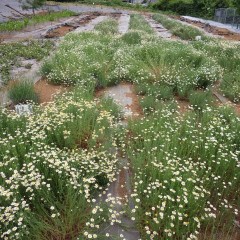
<point x="137" y="22"/>
<point x="230" y="86"/>
<point x="178" y="6"/>
<point x="109" y="26"/>
<point x="148" y="104"/>
<point x="132" y="37"/>
<point x="193" y="7"/>
<point x="200" y="100"/>
<point x="22" y="92"/>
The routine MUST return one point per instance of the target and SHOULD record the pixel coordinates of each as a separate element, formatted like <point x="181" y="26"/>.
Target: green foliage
<point x="230" y="86"/>
<point x="203" y="8"/>
<point x="22" y="92"/>
<point x="137" y="22"/>
<point x="200" y="100"/>
<point x="185" y="168"/>
<point x="148" y="104"/>
<point x="63" y="146"/>
<point x="236" y="3"/>
<point x="175" y="162"/>
<point x="109" y="105"/>
<point x="32" y="4"/>
<point x="132" y="37"/>
<point x="179" y="6"/>
<point x="107" y="27"/>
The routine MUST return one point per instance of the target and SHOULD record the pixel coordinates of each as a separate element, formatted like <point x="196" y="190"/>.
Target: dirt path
<point x="46" y="91"/>
<point x="123" y="94"/>
<point x="118" y="194"/>
<point x="123" y="23"/>
<point x="158" y="28"/>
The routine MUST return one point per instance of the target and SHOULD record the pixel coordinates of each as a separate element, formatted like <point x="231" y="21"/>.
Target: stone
<point x="23" y="109"/>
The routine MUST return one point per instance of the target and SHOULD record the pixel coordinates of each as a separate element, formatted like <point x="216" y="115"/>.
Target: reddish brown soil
<point x="237" y="108"/>
<point x="115" y="15"/>
<point x="46" y="91"/>
<point x="135" y="106"/>
<point x="63" y="30"/>
<point x="4" y="36"/>
<point x="59" y="32"/>
<point x="88" y="18"/>
<point x="183" y="104"/>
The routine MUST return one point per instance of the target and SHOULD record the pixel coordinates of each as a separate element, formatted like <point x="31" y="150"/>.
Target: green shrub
<point x="23" y="92"/>
<point x="192" y="7"/>
<point x="141" y="88"/>
<point x="148" y="104"/>
<point x="200" y="100"/>
<point x="109" y="26"/>
<point x="164" y="92"/>
<point x="184" y="91"/>
<point x="137" y="22"/>
<point x="178" y="6"/>
<point x="230" y="86"/>
<point x="109" y="105"/>
<point x="132" y="37"/>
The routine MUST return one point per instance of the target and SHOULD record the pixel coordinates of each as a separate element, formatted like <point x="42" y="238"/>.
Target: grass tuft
<point x="22" y="92"/>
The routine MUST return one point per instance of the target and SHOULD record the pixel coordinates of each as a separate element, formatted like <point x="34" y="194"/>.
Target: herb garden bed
<point x="82" y="166"/>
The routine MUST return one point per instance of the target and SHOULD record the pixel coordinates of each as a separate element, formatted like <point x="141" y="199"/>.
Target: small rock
<point x="198" y="38"/>
<point x="23" y="109"/>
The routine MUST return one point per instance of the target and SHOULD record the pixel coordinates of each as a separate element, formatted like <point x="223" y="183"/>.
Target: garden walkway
<point x="118" y="194"/>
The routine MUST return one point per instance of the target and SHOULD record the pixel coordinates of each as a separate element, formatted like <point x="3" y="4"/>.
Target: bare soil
<point x="59" y="32"/>
<point x="66" y="28"/>
<point x="37" y="31"/>
<point x="135" y="106"/>
<point x="183" y="104"/>
<point x="47" y="91"/>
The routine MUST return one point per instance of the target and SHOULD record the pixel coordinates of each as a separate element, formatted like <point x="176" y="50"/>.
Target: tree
<point x="236" y="4"/>
<point x="32" y="4"/>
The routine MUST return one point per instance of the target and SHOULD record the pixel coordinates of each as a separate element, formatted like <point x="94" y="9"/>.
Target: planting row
<point x="53" y="163"/>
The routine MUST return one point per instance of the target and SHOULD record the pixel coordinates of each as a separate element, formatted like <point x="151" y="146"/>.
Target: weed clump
<point x="200" y="100"/>
<point x="23" y="92"/>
